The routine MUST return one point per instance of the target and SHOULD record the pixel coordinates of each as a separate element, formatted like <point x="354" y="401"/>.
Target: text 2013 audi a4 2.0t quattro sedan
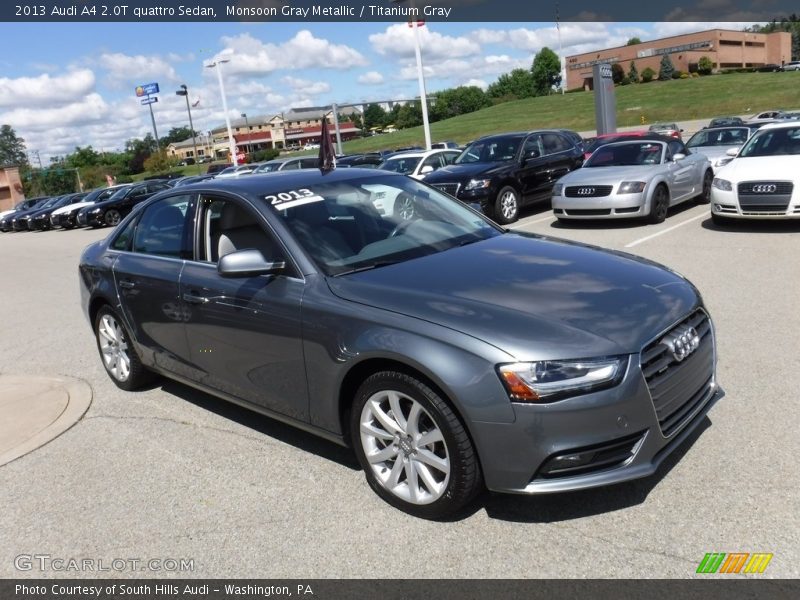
<point x="450" y="353"/>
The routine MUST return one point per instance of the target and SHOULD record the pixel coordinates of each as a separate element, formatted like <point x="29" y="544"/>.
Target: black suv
<point x="500" y="173"/>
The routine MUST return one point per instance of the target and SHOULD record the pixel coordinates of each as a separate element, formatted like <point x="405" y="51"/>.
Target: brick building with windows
<point x="727" y="49"/>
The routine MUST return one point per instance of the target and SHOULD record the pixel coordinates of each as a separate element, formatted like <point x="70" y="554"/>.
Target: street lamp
<point x="184" y="91"/>
<point x="247" y="124"/>
<point x="421" y="77"/>
<point x="217" y="63"/>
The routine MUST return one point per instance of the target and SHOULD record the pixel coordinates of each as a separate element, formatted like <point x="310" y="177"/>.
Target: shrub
<point x="633" y="73"/>
<point x="625" y="80"/>
<point x="617" y="73"/>
<point x="666" y="68"/>
<point x="676" y="74"/>
<point x="695" y="74"/>
<point x="705" y="66"/>
<point x="647" y="75"/>
<point x="685" y="76"/>
<point x="263" y="155"/>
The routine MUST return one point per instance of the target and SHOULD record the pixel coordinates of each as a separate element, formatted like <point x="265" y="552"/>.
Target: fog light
<point x="568" y="461"/>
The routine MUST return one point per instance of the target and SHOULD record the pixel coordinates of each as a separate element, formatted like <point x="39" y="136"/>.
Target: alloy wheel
<point x="114" y="348"/>
<point x="112" y="218"/>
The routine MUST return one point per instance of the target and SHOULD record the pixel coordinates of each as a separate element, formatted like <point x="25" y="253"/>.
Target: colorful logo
<point x="734" y="562"/>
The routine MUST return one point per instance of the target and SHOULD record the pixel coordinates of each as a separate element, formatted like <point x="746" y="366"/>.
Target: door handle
<point x="127" y="285"/>
<point x="194" y="299"/>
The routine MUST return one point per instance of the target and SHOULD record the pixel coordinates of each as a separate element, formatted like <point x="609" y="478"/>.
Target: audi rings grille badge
<point x="682" y="341"/>
<point x="765" y="188"/>
<point x="586" y="191"/>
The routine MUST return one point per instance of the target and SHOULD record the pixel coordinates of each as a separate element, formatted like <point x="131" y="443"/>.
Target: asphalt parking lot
<point x="172" y="473"/>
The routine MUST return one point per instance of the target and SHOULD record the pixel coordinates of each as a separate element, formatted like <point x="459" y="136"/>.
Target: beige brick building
<point x="727" y="49"/>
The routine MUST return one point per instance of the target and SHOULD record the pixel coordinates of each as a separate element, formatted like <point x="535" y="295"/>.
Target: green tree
<point x="83" y="157"/>
<point x="546" y="70"/>
<point x="158" y="162"/>
<point x="12" y="148"/>
<point x="408" y="115"/>
<point x="705" y="66"/>
<point x="617" y="73"/>
<point x="374" y="116"/>
<point x="139" y="150"/>
<point x="647" y="75"/>
<point x="514" y="85"/>
<point x="177" y="134"/>
<point x="633" y="41"/>
<point x="458" y="101"/>
<point x="666" y="68"/>
<point x="633" y="73"/>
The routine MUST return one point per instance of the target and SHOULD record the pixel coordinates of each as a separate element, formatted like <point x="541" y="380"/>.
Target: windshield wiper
<point x="369" y="267"/>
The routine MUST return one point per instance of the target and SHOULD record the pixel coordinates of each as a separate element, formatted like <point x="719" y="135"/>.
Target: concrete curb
<point x="35" y="410"/>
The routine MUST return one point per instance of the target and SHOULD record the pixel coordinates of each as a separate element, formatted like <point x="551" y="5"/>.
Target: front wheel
<point x="659" y="205"/>
<point x="506" y="207"/>
<point x="112" y="217"/>
<point x="415" y="452"/>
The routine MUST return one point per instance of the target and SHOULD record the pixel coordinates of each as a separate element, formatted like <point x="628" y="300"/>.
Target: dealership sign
<point x="149" y="100"/>
<point x="148" y="89"/>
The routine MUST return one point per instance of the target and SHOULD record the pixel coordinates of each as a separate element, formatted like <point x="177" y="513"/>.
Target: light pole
<point x="421" y="78"/>
<point x="247" y="124"/>
<point x="217" y="63"/>
<point x="184" y="91"/>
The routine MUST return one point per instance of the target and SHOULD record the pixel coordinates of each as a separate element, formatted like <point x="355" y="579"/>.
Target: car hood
<point x="459" y="173"/>
<point x="610" y="175"/>
<point x="530" y="296"/>
<point x="760" y="168"/>
<point x="70" y="208"/>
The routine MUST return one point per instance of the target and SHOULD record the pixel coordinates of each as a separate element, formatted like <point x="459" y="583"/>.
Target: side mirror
<point x="425" y="170"/>
<point x="247" y="263"/>
<point x="678" y="156"/>
<point x="733" y="151"/>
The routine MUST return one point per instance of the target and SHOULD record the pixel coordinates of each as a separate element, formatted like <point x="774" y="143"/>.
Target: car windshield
<point x="51" y="203"/>
<point x="495" y="149"/>
<point x="626" y="154"/>
<point x="773" y="142"/>
<point x="369" y="222"/>
<point x="719" y="137"/>
<point x="401" y="164"/>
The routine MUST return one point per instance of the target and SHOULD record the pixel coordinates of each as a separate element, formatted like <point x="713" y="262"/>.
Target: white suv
<point x="763" y="180"/>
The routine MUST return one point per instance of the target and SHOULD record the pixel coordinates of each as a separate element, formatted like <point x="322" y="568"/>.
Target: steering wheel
<point x="400" y="228"/>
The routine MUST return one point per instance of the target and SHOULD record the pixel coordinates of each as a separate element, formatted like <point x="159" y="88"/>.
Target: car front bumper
<point x="614" y="206"/>
<point x="726" y="204"/>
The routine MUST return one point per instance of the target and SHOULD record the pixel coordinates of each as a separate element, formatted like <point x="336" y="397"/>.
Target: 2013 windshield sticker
<point x="292" y="198"/>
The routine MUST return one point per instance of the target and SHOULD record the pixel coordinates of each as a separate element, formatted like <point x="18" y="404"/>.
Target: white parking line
<point x="519" y="225"/>
<point x="667" y="230"/>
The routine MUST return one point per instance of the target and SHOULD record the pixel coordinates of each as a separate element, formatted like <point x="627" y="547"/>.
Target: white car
<point x="419" y="164"/>
<point x="236" y="171"/>
<point x="763" y="180"/>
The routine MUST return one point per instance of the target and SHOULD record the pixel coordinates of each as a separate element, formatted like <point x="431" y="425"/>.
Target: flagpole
<point x="561" y="62"/>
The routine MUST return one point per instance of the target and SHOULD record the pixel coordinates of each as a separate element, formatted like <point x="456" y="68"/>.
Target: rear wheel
<point x="415" y="452"/>
<point x="705" y="195"/>
<point x="117" y="353"/>
<point x="659" y="205"/>
<point x="506" y="207"/>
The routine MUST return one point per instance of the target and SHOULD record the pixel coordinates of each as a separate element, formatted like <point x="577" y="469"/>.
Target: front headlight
<point x="558" y="189"/>
<point x="631" y="187"/>
<point x="549" y="380"/>
<point x="477" y="184"/>
<point x="722" y="184"/>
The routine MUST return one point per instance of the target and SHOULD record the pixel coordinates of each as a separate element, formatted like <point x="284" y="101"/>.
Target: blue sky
<point x="65" y="85"/>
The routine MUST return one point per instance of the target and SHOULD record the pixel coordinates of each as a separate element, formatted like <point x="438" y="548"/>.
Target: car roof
<point x="781" y="125"/>
<point x="421" y="154"/>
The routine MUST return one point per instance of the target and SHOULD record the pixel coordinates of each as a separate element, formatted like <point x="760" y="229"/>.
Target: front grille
<point x="588" y="212"/>
<point x="448" y="188"/>
<point x="587" y="191"/>
<point x="678" y="387"/>
<point x="745" y="188"/>
<point x="772" y="209"/>
<point x="761" y="197"/>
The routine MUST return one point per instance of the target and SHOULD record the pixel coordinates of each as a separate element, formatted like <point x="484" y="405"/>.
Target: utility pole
<point x="184" y="91"/>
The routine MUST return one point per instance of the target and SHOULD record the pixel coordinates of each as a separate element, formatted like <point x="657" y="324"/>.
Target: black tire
<point x="137" y="375"/>
<point x="112" y="217"/>
<point x="705" y="194"/>
<point x="659" y="205"/>
<point x="506" y="205"/>
<point x="464" y="480"/>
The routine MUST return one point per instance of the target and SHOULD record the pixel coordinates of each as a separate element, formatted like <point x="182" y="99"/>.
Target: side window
<point x="675" y="148"/>
<point x="152" y="188"/>
<point x="533" y="147"/>
<point x="229" y="226"/>
<point x="309" y="163"/>
<point x="163" y="229"/>
<point x="449" y="157"/>
<point x="434" y="161"/>
<point x="124" y="238"/>
<point x="554" y="143"/>
<point x="138" y="192"/>
<point x="291" y="165"/>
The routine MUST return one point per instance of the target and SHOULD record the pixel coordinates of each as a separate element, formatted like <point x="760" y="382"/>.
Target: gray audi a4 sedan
<point x="451" y="354"/>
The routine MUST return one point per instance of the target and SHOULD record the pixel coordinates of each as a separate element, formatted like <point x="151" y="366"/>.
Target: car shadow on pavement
<point x="267" y="426"/>
<point x="566" y="506"/>
<point x="768" y="226"/>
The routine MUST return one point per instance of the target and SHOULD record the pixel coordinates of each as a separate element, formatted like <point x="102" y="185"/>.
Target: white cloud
<point x="138" y="69"/>
<point x="46" y="90"/>
<point x="92" y="109"/>
<point x="370" y="78"/>
<point x="398" y="41"/>
<point x="477" y="82"/>
<point x="459" y="71"/>
<point x="311" y="88"/>
<point x="250" y="56"/>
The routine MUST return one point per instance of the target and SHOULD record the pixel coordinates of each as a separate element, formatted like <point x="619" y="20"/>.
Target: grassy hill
<point x="675" y="100"/>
